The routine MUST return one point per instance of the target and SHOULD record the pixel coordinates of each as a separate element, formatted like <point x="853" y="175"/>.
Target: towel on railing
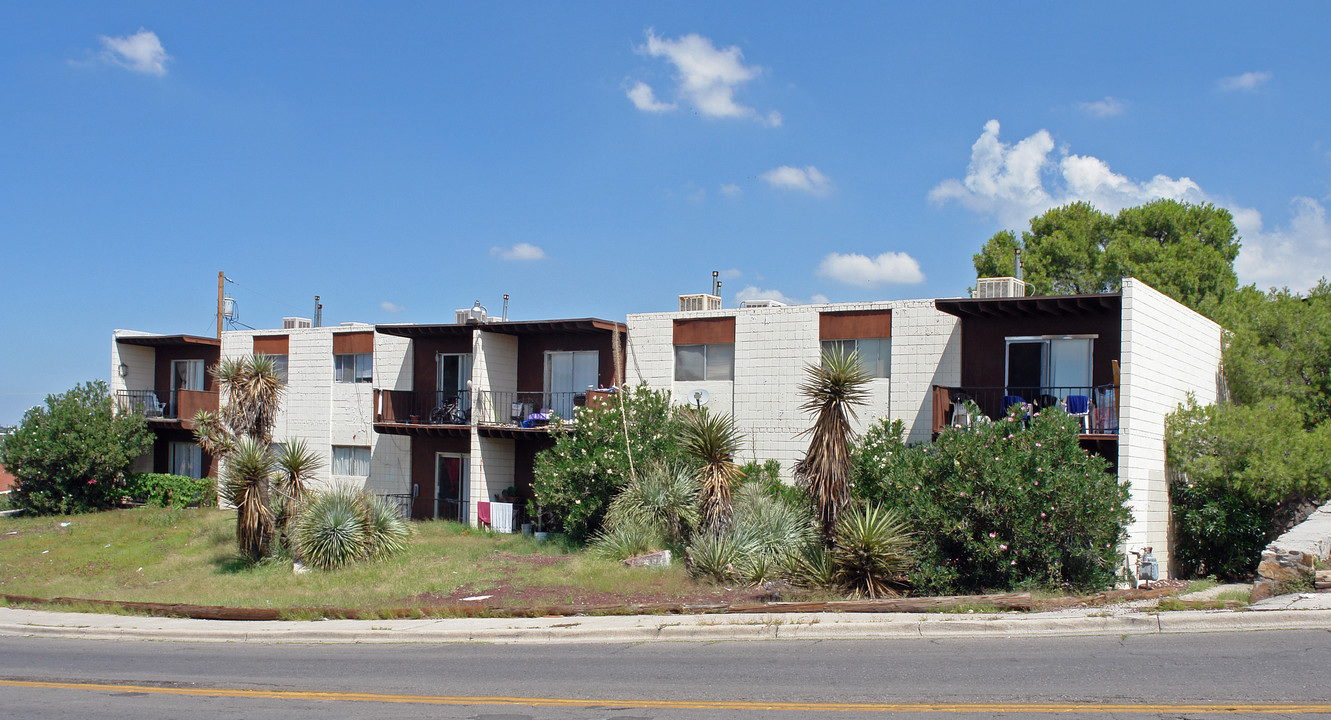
<point x="483" y="512"/>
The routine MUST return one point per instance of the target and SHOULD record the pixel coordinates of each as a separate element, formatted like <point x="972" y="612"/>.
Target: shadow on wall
<point x="922" y="427"/>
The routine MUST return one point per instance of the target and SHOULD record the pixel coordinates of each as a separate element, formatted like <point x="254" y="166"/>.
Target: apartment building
<point x="1122" y="361"/>
<point x="165" y="379"/>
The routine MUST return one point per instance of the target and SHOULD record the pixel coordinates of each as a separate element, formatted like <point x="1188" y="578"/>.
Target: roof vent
<point x="292" y="323"/>
<point x="693" y="303"/>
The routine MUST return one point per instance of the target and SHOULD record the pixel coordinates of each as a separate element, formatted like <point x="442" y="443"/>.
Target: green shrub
<point x="716" y="557"/>
<point x="999" y="506"/>
<point x="575" y="480"/>
<point x="166" y="490"/>
<point x="71" y="455"/>
<point x="872" y="551"/>
<point x="660" y="502"/>
<point x="759" y="543"/>
<point x="1218" y="531"/>
<point x="767" y="475"/>
<point x="386" y="531"/>
<point x="625" y="540"/>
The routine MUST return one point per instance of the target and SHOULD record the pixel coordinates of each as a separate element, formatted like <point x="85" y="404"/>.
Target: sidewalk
<point x="1287" y="612"/>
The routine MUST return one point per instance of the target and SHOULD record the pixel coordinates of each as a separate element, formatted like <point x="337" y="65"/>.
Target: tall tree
<point x="1184" y="250"/>
<point x="832" y="390"/>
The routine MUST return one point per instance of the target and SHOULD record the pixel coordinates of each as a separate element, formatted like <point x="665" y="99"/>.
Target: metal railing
<point x="423" y="407"/>
<point x="526" y="409"/>
<point x="1095" y="407"/>
<point x="140" y="402"/>
<point x="400" y="502"/>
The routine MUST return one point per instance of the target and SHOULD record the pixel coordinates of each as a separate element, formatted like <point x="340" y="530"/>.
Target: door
<point x="1070" y="366"/>
<point x="186" y="459"/>
<point x="568" y="374"/>
<point x="185" y="375"/>
<point x="450" y="482"/>
<point x="1026" y="367"/>
<point x="453" y="375"/>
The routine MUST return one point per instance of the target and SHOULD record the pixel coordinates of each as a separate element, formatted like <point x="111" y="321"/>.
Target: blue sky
<point x="596" y="159"/>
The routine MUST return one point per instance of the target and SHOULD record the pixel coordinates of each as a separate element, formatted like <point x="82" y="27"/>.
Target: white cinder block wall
<point x="773" y="345"/>
<point x="494" y="367"/>
<point x="325" y="413"/>
<point x="1167" y="352"/>
<point x="140" y="363"/>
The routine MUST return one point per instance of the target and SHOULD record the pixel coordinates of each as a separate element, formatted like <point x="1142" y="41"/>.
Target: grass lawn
<point x="188" y="556"/>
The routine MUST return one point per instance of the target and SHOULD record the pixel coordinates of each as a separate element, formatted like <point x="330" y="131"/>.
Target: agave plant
<point x="712" y="441"/>
<point x="386" y="532"/>
<point x="811" y="565"/>
<point x="719" y="557"/>
<point x="873" y="549"/>
<point x="245" y="485"/>
<point x="831" y="392"/>
<point x="331" y="531"/>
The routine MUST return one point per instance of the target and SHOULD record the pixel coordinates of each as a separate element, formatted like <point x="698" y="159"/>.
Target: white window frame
<point x="361" y="369"/>
<point x="351" y="458"/>
<point x="884" y="367"/>
<point x="708" y="373"/>
<point x="1046" y="358"/>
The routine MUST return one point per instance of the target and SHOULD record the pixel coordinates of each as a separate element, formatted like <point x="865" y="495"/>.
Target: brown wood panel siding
<point x="705" y="331"/>
<point x="532" y="350"/>
<point x="272" y="344"/>
<point x="423" y="368"/>
<point x="983" y="343"/>
<point x="854" y="324"/>
<point x="423" y="450"/>
<point x="353" y="343"/>
<point x="162" y="368"/>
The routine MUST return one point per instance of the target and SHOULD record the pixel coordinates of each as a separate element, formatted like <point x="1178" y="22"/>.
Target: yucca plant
<point x="296" y="465"/>
<point x="331" y="530"/>
<point x="713" y="442"/>
<point x="245" y="486"/>
<point x="718" y="557"/>
<point x="661" y="498"/>
<point x="386" y="532"/>
<point x="253" y="393"/>
<point x="831" y="392"/>
<point x="811" y="565"/>
<point x="873" y="550"/>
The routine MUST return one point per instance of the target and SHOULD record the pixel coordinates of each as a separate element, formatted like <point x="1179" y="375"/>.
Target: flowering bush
<point x="576" y="479"/>
<point x="999" y="506"/>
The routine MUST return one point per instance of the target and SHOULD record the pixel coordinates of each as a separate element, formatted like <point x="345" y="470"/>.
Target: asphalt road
<point x="1194" y="675"/>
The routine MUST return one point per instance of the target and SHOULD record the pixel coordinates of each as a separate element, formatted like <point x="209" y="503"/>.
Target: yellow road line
<point x="1144" y="707"/>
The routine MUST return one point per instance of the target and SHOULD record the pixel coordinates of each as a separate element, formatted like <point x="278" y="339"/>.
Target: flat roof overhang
<point x="1044" y="305"/>
<point x="582" y="326"/>
<point x="168" y="340"/>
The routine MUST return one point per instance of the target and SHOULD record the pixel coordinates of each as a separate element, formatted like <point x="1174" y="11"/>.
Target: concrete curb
<point x="636" y="629"/>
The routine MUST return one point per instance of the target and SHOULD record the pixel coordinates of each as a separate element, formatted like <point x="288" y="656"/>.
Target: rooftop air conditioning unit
<point x="693" y="303"/>
<point x="999" y="287"/>
<point x="292" y="323"/>
<point x="762" y="303"/>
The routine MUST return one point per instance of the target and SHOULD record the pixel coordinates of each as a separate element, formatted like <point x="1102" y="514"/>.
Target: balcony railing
<point x="140" y="402"/>
<point x="1096" y="408"/>
<point x="526" y="409"/>
<point x="422" y="407"/>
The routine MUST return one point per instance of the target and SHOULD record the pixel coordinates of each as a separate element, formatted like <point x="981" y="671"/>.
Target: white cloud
<point x="140" y="52"/>
<point x="888" y="268"/>
<point x="645" y="99"/>
<point x="390" y="307"/>
<point x="1247" y="81"/>
<point x="1295" y="256"/>
<point x="706" y="78"/>
<point x="1108" y="107"/>
<point x="521" y="251"/>
<point x="730" y="274"/>
<point x="731" y="190"/>
<point x="807" y="179"/>
<point x="751" y="292"/>
<point x="1008" y="183"/>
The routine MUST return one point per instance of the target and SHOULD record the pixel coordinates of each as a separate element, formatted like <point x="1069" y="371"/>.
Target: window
<point x="351" y="461"/>
<point x="715" y="361"/>
<point x="353" y="368"/>
<point x="1059" y="365"/>
<point x="875" y="353"/>
<point x="280" y="365"/>
<point x="186" y="459"/>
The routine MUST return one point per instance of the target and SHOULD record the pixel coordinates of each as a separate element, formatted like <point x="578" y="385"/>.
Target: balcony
<point x="1099" y="417"/>
<point x="412" y="407"/>
<point x="180" y="406"/>
<point x="533" y="409"/>
<point x="452" y="413"/>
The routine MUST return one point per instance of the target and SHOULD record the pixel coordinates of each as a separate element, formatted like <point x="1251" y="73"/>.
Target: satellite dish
<point x="700" y="397"/>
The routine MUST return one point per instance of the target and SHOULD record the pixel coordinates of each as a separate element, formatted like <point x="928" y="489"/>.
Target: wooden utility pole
<point x="221" y="277"/>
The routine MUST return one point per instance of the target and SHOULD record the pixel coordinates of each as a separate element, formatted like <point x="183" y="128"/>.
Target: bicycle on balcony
<point x="450" y="413"/>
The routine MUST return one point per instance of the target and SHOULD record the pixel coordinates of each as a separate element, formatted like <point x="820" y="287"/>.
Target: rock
<point x="1285" y="565"/>
<point x="656" y="559"/>
<point x="299" y="568"/>
<point x="1263" y="589"/>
